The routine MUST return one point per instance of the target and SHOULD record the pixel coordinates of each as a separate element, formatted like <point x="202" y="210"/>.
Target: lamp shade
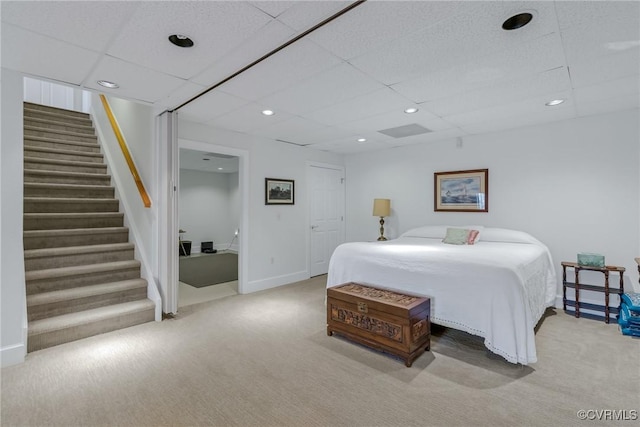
<point x="381" y="207"/>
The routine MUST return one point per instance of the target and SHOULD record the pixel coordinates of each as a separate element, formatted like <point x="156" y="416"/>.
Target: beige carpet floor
<point x="264" y="359"/>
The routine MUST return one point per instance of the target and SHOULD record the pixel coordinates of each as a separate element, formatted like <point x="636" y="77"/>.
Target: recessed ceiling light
<point x="411" y="110"/>
<point x="108" y="84"/>
<point x="517" y="21"/>
<point x="268" y="112"/>
<point x="180" y="40"/>
<point x="362" y="139"/>
<point x="554" y="102"/>
<point x="220" y="169"/>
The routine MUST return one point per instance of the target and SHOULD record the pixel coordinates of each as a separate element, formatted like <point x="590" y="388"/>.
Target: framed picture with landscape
<point x="279" y="191"/>
<point x="461" y="191"/>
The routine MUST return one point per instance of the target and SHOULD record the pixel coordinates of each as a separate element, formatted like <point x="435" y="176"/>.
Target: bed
<point x="497" y="288"/>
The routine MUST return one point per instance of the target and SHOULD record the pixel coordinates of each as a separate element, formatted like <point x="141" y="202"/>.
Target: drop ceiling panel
<point x="273" y="8"/>
<point x="605" y="68"/>
<point x="499" y="124"/>
<point x="181" y="94"/>
<point x="504" y="93"/>
<point x="259" y="44"/>
<point x="330" y="87"/>
<point x="446" y="45"/>
<point x="541" y="54"/>
<point x="368" y="26"/>
<point x="607" y="91"/>
<point x="300" y="61"/>
<point x="369" y="104"/>
<point x="305" y="14"/>
<point x="213" y="104"/>
<point x="94" y="23"/>
<point x="619" y="103"/>
<point x="139" y="83"/>
<point x="294" y="129"/>
<point x="395" y="119"/>
<point x="248" y="118"/>
<point x="428" y="137"/>
<point x="583" y="46"/>
<point x="215" y="27"/>
<point x="590" y="15"/>
<point x="54" y="60"/>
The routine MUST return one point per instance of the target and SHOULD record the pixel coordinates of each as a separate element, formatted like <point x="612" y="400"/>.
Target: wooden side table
<point x="577" y="286"/>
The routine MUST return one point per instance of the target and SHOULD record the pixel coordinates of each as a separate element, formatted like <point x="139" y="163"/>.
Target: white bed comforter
<point x="497" y="290"/>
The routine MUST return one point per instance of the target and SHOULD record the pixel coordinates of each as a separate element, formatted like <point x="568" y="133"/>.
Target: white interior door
<point x="326" y="214"/>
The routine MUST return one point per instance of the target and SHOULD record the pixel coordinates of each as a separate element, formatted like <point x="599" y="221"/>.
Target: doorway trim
<point x="243" y="185"/>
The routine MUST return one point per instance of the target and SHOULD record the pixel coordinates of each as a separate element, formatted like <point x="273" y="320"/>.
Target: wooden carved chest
<point x="382" y="319"/>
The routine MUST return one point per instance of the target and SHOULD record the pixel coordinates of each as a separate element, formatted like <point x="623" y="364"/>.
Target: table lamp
<point x="381" y="208"/>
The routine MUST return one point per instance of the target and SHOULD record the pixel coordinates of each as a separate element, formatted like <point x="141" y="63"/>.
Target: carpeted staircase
<point x="81" y="275"/>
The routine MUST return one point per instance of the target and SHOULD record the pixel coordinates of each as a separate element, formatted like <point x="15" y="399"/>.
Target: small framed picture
<point x="461" y="191"/>
<point x="279" y="191"/>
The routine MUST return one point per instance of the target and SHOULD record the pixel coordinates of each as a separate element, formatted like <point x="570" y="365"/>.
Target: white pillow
<point x="429" y="231"/>
<point x="505" y="235"/>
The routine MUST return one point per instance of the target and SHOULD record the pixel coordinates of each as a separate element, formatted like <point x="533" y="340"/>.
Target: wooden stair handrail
<point x="125" y="151"/>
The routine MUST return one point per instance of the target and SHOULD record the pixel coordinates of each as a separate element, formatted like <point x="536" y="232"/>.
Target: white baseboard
<point x="274" y="282"/>
<point x="12" y="355"/>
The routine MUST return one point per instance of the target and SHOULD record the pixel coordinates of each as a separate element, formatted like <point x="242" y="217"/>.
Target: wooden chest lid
<point x="382" y="298"/>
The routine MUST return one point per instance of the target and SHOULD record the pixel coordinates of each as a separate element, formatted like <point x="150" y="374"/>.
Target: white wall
<point x="56" y="95"/>
<point x="572" y="184"/>
<point x="13" y="317"/>
<point x="278" y="232"/>
<point x="206" y="207"/>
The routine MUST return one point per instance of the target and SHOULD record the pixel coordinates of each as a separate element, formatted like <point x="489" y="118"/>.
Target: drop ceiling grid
<point x="52" y="60"/>
<point x="248" y="118"/>
<point x="216" y="28"/>
<point x="291" y="129"/>
<point x="605" y="68"/>
<point x="303" y="15"/>
<point x="214" y="104"/>
<point x="394" y="119"/>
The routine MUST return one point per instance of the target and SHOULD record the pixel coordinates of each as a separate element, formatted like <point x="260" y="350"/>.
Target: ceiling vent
<point x="406" y="130"/>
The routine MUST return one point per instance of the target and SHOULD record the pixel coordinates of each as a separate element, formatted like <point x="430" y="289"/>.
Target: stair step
<point x="47" y="123"/>
<point x="56" y="303"/>
<point x="41" y="239"/>
<point x="76" y="191"/>
<point x="55" y="279"/>
<point x="71" y="205"/>
<point x="72" y="220"/>
<point x="41" y="259"/>
<point x="56" y="133"/>
<point x="38" y="141"/>
<point x="84" y="120"/>
<point x="60" y="154"/>
<point x="63" y="165"/>
<point x="62" y="177"/>
<point x="56" y="110"/>
<point x="70" y="327"/>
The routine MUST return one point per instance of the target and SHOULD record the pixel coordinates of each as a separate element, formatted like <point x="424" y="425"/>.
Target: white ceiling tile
<point x="216" y="27"/>
<point x="366" y="105"/>
<point x="605" y="68"/>
<point x="394" y="119"/>
<point x="259" y="44"/>
<point x="548" y="82"/>
<point x="305" y="14"/>
<point x="183" y="93"/>
<point x="55" y="60"/>
<point x="608" y="90"/>
<point x="248" y="118"/>
<point x="516" y="121"/>
<point x="534" y="105"/>
<point x="584" y="45"/>
<point x="93" y="25"/>
<point x="211" y="105"/>
<point x="291" y="130"/>
<point x="137" y="82"/>
<point x="594" y="15"/>
<point x="348" y="146"/>
<point x="533" y="56"/>
<point x="445" y="45"/>
<point x="295" y="63"/>
<point x="368" y="26"/>
<point x="427" y="137"/>
<point x="330" y="87"/>
<point x="618" y="103"/>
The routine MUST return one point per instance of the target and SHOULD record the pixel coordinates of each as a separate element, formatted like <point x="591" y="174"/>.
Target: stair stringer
<point x="127" y="194"/>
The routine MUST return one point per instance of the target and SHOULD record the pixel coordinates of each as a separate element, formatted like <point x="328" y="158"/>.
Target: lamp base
<point x="381" y="238"/>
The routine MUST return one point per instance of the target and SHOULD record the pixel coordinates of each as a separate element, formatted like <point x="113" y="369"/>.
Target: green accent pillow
<point x="456" y="236"/>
